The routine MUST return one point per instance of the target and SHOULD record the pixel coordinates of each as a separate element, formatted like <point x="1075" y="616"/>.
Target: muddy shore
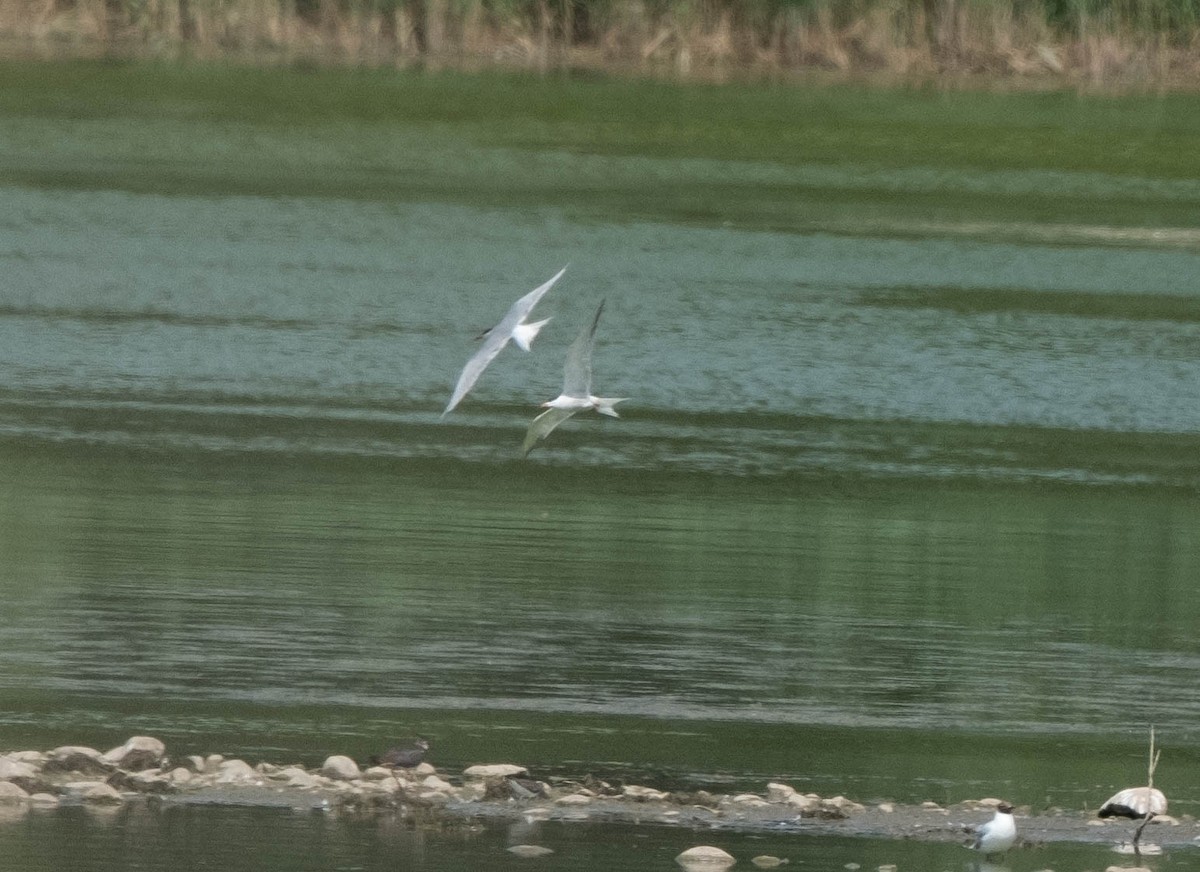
<point x="142" y="771"/>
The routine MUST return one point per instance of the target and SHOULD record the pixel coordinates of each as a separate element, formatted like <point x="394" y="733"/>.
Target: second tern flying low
<point x="577" y="389"/>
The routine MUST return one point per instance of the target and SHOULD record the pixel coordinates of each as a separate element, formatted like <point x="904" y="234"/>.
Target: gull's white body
<point x="512" y="326"/>
<point x="1135" y="803"/>
<point x="577" y="389"/>
<point x="997" y="835"/>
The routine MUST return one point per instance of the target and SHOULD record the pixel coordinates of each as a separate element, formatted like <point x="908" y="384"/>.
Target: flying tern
<point x="512" y="326"/>
<point x="577" y="389"/>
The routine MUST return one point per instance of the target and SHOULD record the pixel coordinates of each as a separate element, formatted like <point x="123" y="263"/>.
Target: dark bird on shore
<point x="408" y="757"/>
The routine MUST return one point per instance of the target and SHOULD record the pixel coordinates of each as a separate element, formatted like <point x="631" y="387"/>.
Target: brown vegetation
<point x="1110" y="42"/>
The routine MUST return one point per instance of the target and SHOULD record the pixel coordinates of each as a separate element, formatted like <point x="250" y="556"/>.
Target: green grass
<point x="868" y="161"/>
<point x="898" y="127"/>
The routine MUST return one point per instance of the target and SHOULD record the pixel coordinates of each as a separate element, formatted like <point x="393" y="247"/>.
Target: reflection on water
<point x="407" y="591"/>
<point x="193" y="838"/>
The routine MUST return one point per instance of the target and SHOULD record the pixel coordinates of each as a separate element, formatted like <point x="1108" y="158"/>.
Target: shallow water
<point x="189" y="838"/>
<point x="902" y="504"/>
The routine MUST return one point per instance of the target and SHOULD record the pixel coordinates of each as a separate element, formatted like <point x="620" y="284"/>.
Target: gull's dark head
<point x="1004" y="808"/>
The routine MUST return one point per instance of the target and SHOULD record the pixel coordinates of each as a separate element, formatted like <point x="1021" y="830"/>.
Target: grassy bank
<point x="1101" y="42"/>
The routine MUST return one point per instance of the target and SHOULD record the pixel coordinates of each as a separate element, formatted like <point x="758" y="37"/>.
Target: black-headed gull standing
<point x="999" y="834"/>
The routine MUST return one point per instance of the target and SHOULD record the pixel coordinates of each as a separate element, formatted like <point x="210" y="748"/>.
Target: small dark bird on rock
<point x="402" y="758"/>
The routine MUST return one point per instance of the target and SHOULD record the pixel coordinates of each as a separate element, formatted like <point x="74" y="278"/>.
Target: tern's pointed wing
<point x="495" y="339"/>
<point x="519" y="310"/>
<point x="577" y="372"/>
<point x="543" y="425"/>
<point x="492" y="343"/>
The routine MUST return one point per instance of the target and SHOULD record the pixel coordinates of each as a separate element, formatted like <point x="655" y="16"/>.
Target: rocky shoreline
<point x="141" y="770"/>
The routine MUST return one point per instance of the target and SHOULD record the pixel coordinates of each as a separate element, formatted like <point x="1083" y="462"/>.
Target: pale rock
<point x="643" y="794"/>
<point x="804" y="803"/>
<point x="212" y="763"/>
<point x="573" y="799"/>
<point x="377" y="788"/>
<point x="530" y="850"/>
<point x="102" y="794"/>
<point x="9" y="792"/>
<point x="845" y="805"/>
<point x="473" y="791"/>
<point x="432" y="782"/>
<point x="11" y="768"/>
<point x="234" y="771"/>
<point x="705" y="857"/>
<point x="378" y="773"/>
<point x="424" y="769"/>
<point x="148" y="781"/>
<point x="138" y="753"/>
<point x="195" y="762"/>
<point x="1128" y="869"/>
<point x="779" y="792"/>
<point x="748" y="800"/>
<point x="1147" y="849"/>
<point x="340" y="768"/>
<point x="494" y="770"/>
<point x="303" y="780"/>
<point x="33" y="758"/>
<point x="390" y="785"/>
<point x="986" y="802"/>
<point x="180" y="775"/>
<point x="44" y="799"/>
<point x="887" y="867"/>
<point x="930" y="805"/>
<point x="767" y="861"/>
<point x="887" y="807"/>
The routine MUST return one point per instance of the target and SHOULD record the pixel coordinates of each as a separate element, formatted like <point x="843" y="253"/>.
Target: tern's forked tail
<point x="523" y="334"/>
<point x="604" y="405"/>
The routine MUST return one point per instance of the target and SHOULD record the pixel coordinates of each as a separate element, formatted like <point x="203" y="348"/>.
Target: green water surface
<point x="902" y="504"/>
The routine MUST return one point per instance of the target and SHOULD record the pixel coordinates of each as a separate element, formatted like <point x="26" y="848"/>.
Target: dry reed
<point x="1077" y="41"/>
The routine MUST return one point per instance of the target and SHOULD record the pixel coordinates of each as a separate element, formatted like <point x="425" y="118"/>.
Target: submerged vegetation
<point x="1107" y="42"/>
